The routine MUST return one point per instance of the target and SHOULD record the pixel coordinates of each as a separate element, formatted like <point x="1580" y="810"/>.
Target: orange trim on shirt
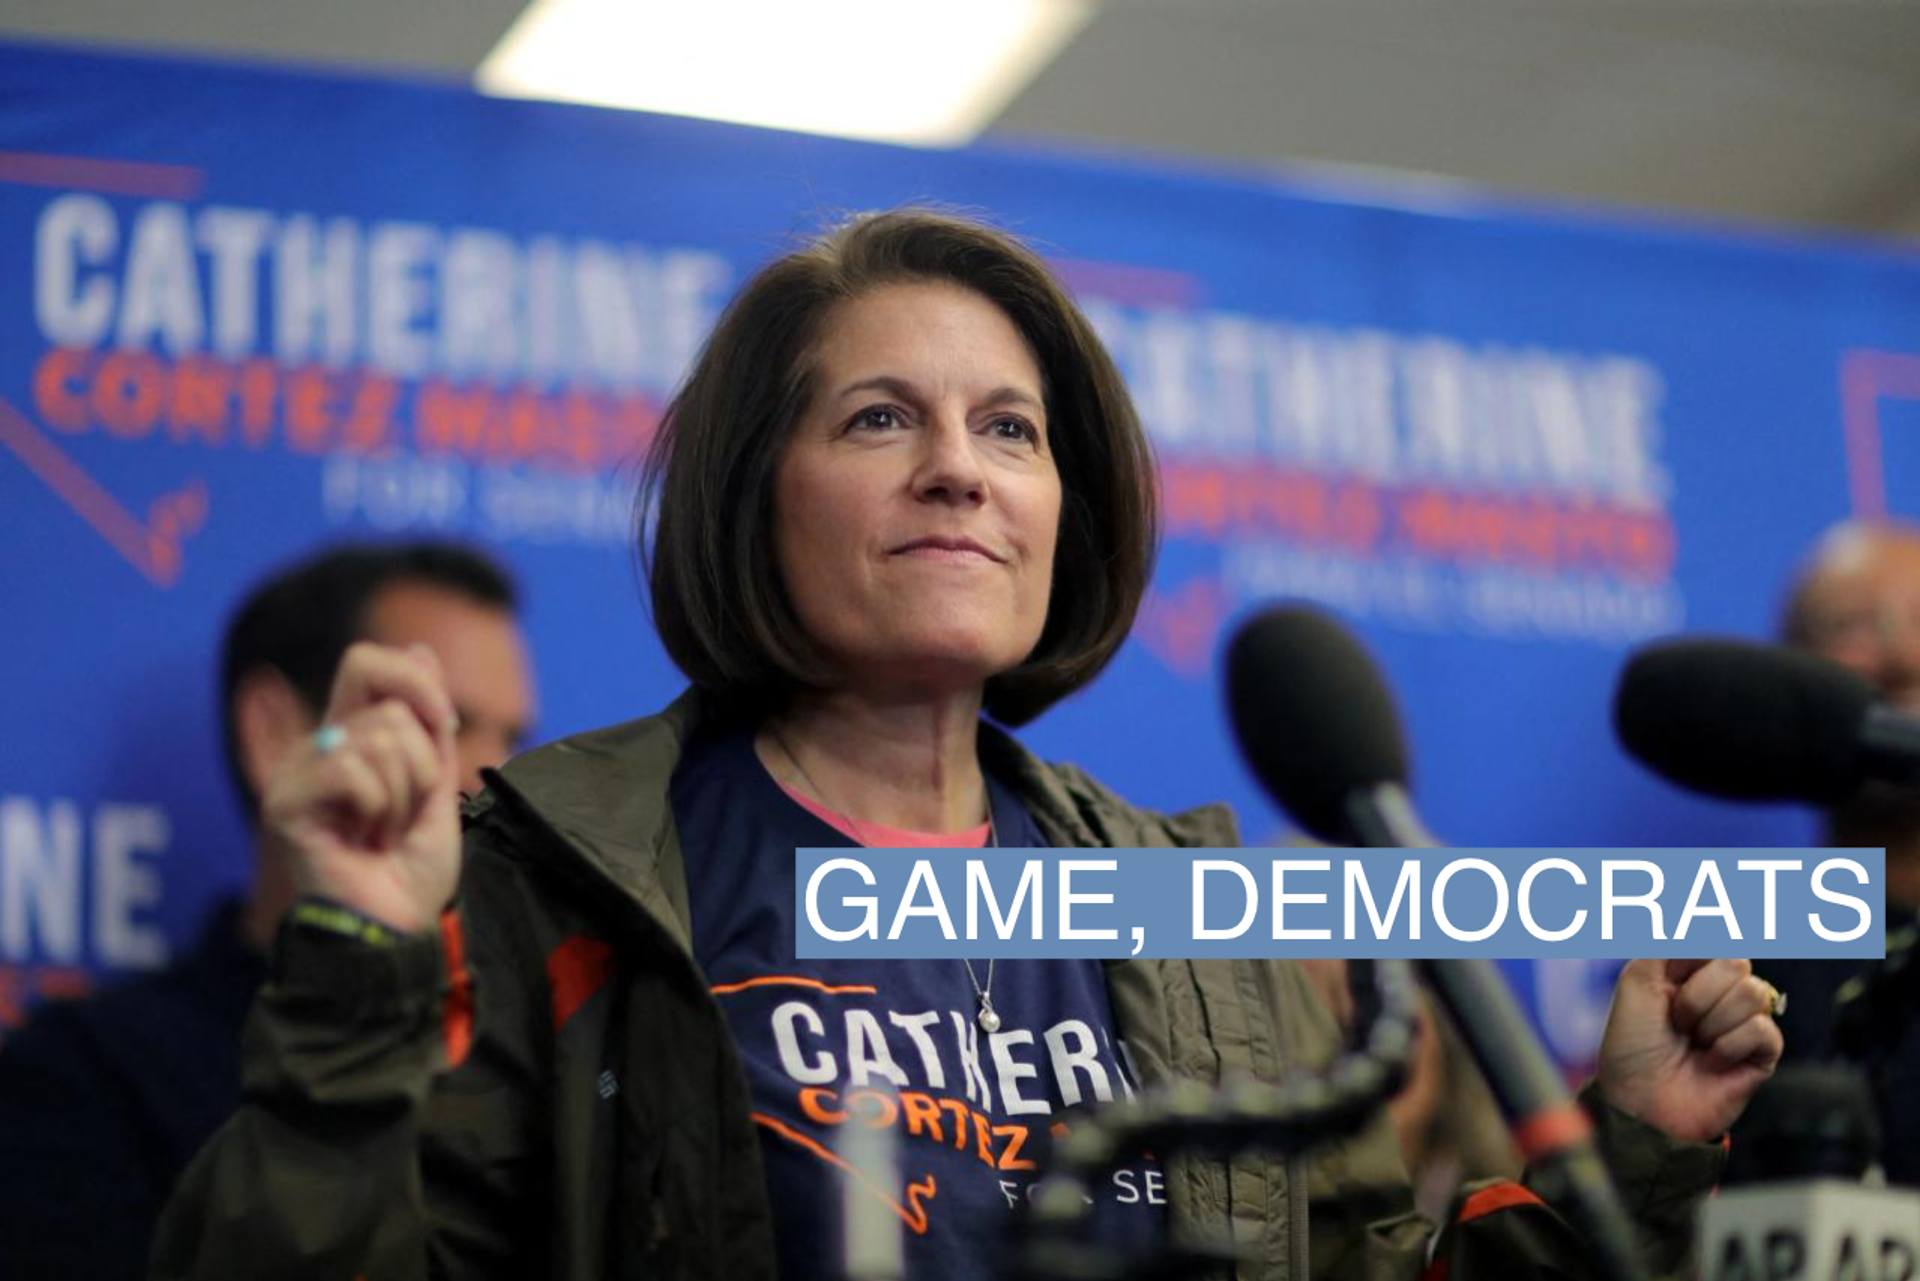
<point x="456" y="1016"/>
<point x="1489" y="1200"/>
<point x="792" y="980"/>
<point x="576" y="969"/>
<point x="1501" y="1196"/>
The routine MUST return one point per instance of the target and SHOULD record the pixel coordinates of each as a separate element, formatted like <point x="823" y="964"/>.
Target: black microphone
<point x="1751" y="722"/>
<point x="1320" y="730"/>
<point x="1318" y="725"/>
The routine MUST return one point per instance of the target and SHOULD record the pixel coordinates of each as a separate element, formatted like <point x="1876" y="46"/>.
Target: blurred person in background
<point x="1856" y="600"/>
<point x="103" y="1101"/>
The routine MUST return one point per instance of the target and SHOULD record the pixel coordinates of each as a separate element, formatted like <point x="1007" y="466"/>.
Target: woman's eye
<point x="878" y="418"/>
<point x="1014" y="429"/>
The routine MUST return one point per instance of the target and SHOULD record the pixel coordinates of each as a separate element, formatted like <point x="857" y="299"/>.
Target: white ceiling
<point x="1796" y="112"/>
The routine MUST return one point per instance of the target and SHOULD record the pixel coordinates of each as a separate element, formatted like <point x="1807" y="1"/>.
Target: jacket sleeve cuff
<point x="335" y="961"/>
<point x="348" y="1018"/>
<point x="1662" y="1180"/>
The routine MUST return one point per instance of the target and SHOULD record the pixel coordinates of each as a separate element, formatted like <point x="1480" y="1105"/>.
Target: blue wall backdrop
<point x="250" y="310"/>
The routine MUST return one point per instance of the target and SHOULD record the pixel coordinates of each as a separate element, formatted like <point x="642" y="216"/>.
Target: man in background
<point x="103" y="1102"/>
<point x="1856" y="600"/>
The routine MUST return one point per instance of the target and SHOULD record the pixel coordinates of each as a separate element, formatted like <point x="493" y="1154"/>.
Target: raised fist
<point x="367" y="811"/>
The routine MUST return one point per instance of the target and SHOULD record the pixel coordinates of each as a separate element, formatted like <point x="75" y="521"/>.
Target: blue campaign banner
<point x="252" y="309"/>
<point x="1559" y="904"/>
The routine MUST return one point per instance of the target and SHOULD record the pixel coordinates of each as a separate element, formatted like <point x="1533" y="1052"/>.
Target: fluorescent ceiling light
<point x="933" y="72"/>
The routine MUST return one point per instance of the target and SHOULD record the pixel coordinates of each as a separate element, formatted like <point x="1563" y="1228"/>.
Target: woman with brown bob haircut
<point x="903" y="490"/>
<point x="718" y="600"/>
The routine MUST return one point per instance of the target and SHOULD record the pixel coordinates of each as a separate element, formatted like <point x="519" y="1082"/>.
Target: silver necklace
<point x="984" y="1013"/>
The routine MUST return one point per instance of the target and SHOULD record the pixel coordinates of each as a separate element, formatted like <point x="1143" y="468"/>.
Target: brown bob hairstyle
<point x="718" y="600"/>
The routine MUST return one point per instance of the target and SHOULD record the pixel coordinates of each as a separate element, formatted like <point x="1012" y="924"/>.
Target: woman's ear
<point x="269" y="720"/>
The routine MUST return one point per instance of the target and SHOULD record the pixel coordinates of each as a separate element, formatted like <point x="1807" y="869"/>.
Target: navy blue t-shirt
<point x="891" y="1045"/>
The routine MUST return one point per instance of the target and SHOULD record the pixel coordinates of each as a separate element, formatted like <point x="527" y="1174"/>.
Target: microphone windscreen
<point x="1313" y="716"/>
<point x="1743" y="721"/>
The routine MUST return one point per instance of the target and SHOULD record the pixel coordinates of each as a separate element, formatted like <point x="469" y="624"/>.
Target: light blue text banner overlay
<point x="1591" y="903"/>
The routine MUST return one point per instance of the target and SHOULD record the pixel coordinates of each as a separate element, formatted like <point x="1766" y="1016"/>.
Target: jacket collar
<point x="605" y="794"/>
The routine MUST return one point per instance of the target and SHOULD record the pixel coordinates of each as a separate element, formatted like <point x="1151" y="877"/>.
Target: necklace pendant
<point x="988" y="1020"/>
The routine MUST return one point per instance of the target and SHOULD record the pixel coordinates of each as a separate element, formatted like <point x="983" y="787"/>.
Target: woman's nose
<point x="950" y="469"/>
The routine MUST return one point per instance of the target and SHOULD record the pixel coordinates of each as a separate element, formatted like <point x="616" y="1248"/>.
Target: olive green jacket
<point x="550" y="1090"/>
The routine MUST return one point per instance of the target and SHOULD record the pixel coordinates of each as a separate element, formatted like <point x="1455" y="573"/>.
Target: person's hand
<point x="1687" y="1043"/>
<point x="366" y="811"/>
<point x="1413" y="1109"/>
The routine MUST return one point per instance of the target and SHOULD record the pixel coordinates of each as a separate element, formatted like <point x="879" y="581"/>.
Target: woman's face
<point x="917" y="504"/>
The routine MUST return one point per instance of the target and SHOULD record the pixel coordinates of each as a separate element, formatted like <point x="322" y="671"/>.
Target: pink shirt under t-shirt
<point x="896" y="838"/>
